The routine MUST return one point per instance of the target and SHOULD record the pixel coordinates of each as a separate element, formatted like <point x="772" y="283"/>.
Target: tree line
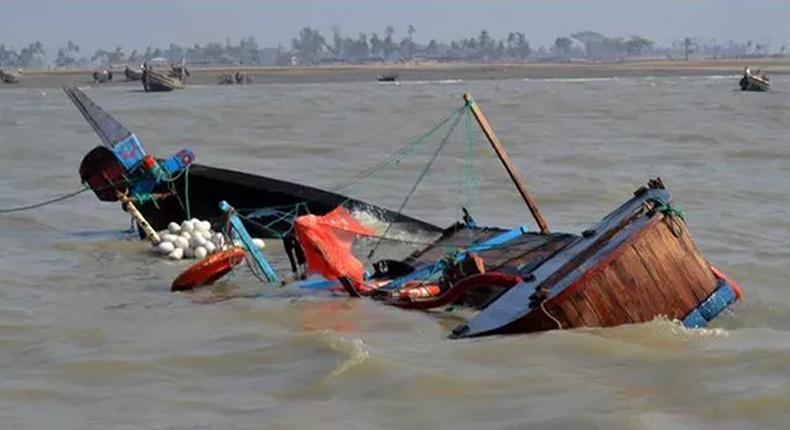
<point x="311" y="47"/>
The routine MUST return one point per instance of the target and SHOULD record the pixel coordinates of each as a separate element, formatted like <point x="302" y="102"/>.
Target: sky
<point x="135" y="24"/>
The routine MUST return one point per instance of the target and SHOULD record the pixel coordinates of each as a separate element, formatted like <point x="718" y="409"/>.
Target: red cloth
<point x="327" y="240"/>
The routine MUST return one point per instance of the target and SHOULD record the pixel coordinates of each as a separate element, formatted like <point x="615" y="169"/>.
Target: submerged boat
<point x="181" y="190"/>
<point x="637" y="264"/>
<point x="754" y="81"/>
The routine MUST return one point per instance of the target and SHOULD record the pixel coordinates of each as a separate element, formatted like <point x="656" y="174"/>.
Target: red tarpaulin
<point x="327" y="241"/>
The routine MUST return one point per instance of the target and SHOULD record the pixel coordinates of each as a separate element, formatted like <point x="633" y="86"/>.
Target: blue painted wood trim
<point x="710" y="308"/>
<point x="245" y="238"/>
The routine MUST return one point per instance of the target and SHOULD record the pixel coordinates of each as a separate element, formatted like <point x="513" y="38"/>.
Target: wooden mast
<point x="505" y="158"/>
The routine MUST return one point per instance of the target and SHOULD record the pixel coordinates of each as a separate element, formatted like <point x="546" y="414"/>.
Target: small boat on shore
<point x="8" y="77"/>
<point x="102" y="76"/>
<point x="133" y="75"/>
<point x="388" y="77"/>
<point x="156" y="81"/>
<point x="237" y="78"/>
<point x="754" y="81"/>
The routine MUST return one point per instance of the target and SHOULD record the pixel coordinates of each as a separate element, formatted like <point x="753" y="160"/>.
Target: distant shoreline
<point x="207" y="75"/>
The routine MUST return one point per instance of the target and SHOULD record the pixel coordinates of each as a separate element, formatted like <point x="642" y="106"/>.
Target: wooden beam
<point x="505" y="158"/>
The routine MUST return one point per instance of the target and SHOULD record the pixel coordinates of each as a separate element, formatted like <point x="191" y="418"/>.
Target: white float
<point x="193" y="238"/>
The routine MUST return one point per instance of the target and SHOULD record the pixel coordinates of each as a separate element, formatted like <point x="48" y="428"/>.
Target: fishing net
<point x="327" y="241"/>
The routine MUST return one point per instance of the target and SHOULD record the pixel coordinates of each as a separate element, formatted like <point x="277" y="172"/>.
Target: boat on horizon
<point x="754" y="81"/>
<point x="9" y="77"/>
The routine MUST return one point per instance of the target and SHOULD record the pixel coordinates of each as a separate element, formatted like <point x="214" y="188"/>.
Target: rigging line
<point x="61" y="198"/>
<point x="45" y="203"/>
<point x="402" y="151"/>
<point x="458" y="116"/>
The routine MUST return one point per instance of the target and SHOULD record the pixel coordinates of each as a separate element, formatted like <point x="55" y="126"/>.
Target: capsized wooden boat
<point x="637" y="264"/>
<point x="754" y="81"/>
<point x="178" y="193"/>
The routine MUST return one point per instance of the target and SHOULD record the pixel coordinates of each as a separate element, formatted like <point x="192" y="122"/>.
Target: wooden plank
<point x="679" y="303"/>
<point x="505" y="159"/>
<point x="645" y="293"/>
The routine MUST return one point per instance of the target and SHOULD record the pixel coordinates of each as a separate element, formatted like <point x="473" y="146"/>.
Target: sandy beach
<point x="207" y="75"/>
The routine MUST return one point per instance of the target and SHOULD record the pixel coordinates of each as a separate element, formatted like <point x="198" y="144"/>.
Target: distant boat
<point x="754" y="81"/>
<point x="234" y="78"/>
<point x="133" y="75"/>
<point x="8" y="77"/>
<point x="154" y="81"/>
<point x="102" y="76"/>
<point x="388" y="77"/>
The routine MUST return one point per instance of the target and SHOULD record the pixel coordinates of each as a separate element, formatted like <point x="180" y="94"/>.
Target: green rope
<point x="458" y="115"/>
<point x="397" y="156"/>
<point x="670" y="211"/>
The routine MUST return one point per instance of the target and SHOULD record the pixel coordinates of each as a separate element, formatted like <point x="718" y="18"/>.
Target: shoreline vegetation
<point x="207" y="74"/>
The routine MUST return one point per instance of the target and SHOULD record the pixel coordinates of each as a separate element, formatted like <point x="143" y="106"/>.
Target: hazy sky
<point x="138" y="23"/>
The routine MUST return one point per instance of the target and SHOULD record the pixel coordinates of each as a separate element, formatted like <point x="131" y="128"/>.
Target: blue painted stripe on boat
<point x="485" y="245"/>
<point x="428" y="270"/>
<point x="246" y="239"/>
<point x="694" y="319"/>
<point x="722" y="298"/>
<point x="710" y="308"/>
<point x="316" y="284"/>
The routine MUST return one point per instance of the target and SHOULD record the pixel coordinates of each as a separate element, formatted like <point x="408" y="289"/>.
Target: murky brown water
<point x="91" y="337"/>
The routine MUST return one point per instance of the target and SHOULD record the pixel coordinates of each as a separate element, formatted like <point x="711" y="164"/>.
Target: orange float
<point x="208" y="270"/>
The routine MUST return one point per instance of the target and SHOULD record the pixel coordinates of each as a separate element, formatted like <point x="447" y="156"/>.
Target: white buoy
<point x="177" y="254"/>
<point x="198" y="240"/>
<point x="210" y="247"/>
<point x="168" y="237"/>
<point x="187" y="226"/>
<point x="174" y="228"/>
<point x="186" y="235"/>
<point x="165" y="247"/>
<point x="259" y="243"/>
<point x="181" y="242"/>
<point x="200" y="252"/>
<point x="189" y="253"/>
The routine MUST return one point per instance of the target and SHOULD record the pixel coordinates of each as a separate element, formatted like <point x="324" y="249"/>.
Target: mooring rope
<point x="46" y="202"/>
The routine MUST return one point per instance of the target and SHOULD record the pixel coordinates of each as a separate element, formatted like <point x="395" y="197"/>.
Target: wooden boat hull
<point x="133" y="75"/>
<point x="8" y="78"/>
<point x="157" y="82"/>
<point x="754" y="83"/>
<point x="207" y="186"/>
<point x="638" y="264"/>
